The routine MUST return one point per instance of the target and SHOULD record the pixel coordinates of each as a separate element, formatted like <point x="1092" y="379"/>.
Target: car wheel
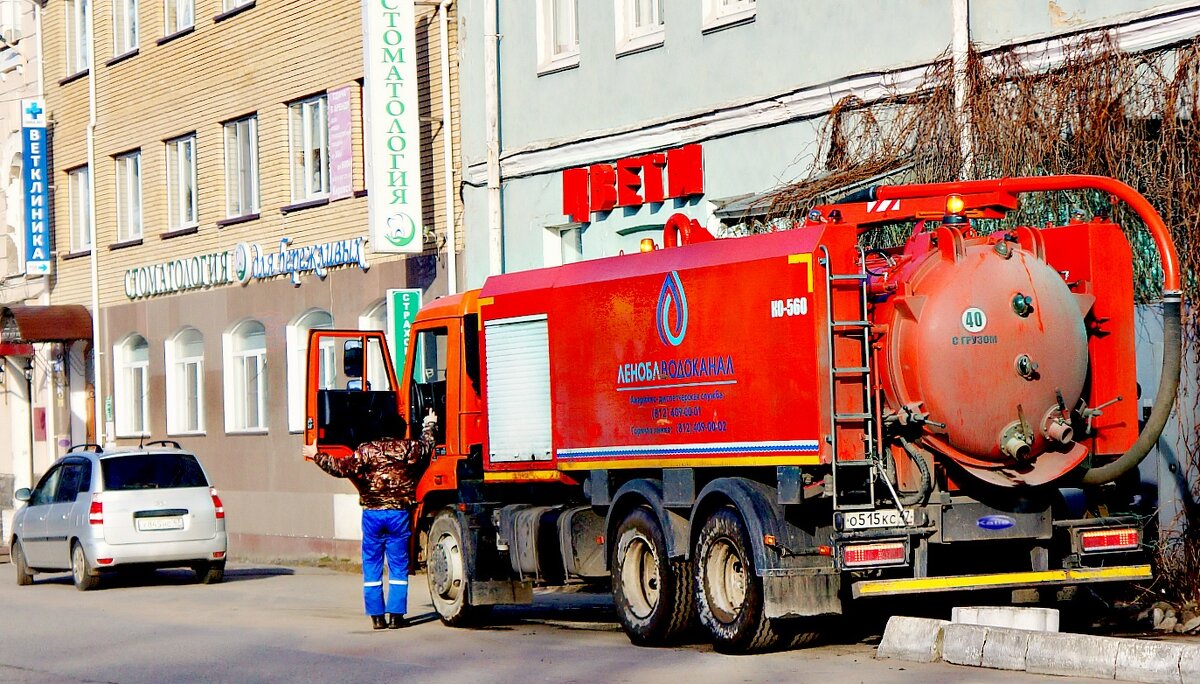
<point x="210" y="573"/>
<point x="24" y="574"/>
<point x="652" y="593"/>
<point x="728" y="590"/>
<point x="81" y="571"/>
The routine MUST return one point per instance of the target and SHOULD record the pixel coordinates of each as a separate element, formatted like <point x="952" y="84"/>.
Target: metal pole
<point x="448" y="152"/>
<point x="960" y="49"/>
<point x="491" y="67"/>
<point x="97" y="372"/>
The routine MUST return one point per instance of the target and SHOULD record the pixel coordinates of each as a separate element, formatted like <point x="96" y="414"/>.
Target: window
<point x="227" y="5"/>
<point x="719" y="13"/>
<point x="558" y="34"/>
<point x="562" y="244"/>
<point x="376" y="319"/>
<point x="181" y="182"/>
<point x="77" y="35"/>
<point x="178" y="15"/>
<point x="185" y="382"/>
<point x="131" y="386"/>
<point x="76" y="478"/>
<point x="246" y="378"/>
<point x="125" y="26"/>
<point x="241" y="167"/>
<point x="44" y="492"/>
<point x="81" y="209"/>
<point x="639" y="24"/>
<point x="309" y="127"/>
<point x="297" y="334"/>
<point x="129" y="196"/>
<point x="151" y="471"/>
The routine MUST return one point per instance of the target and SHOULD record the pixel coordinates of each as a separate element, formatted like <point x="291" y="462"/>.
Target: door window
<point x="75" y="478"/>
<point x="44" y="492"/>
<point x="429" y="380"/>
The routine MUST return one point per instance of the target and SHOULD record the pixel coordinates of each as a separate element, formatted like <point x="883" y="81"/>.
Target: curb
<point x="1054" y="653"/>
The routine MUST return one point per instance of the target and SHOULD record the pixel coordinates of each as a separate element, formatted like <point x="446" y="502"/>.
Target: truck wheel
<point x="447" y="570"/>
<point x="24" y="576"/>
<point x="81" y="570"/>
<point x="729" y="592"/>
<point x="651" y="593"/>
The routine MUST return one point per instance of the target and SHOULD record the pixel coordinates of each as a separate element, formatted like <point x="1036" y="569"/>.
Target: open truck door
<point x="352" y="395"/>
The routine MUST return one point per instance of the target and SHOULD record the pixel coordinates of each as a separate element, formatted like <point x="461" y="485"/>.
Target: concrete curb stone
<point x="909" y="638"/>
<point x="1189" y="664"/>
<point x="1078" y="655"/>
<point x="962" y="643"/>
<point x="1155" y="662"/>
<point x="1005" y="649"/>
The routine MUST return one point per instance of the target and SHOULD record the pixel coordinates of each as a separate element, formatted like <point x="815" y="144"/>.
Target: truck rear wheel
<point x="449" y="585"/>
<point x="651" y="593"/>
<point x="729" y="593"/>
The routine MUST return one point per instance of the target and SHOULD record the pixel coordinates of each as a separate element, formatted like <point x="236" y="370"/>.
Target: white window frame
<point x="633" y="38"/>
<point x="720" y="13"/>
<point x="237" y="362"/>
<point x="125" y="26"/>
<point x="131" y="388"/>
<point x="80" y="196"/>
<point x="181" y="412"/>
<point x="230" y="5"/>
<point x="308" y="145"/>
<point x="76" y="21"/>
<point x="181" y="182"/>
<point x="241" y="167"/>
<point x="297" y="362"/>
<point x="551" y="57"/>
<point x="178" y="15"/>
<point x="562" y="244"/>
<point x="129" y="196"/>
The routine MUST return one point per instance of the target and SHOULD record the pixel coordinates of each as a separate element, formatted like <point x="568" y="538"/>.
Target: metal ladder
<point x="861" y="329"/>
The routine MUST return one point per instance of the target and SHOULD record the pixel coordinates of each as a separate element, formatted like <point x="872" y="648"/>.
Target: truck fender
<point x="648" y="494"/>
<point x="754" y="502"/>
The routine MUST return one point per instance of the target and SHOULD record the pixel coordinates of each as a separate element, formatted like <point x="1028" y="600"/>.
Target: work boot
<point x="396" y="621"/>
<point x="378" y="622"/>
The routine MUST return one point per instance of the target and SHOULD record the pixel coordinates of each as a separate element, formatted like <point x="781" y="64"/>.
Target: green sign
<point x="402" y="307"/>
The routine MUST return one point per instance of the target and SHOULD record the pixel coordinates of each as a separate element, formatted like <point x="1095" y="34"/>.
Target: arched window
<point x="185" y="382"/>
<point x="131" y="386"/>
<point x="246" y="377"/>
<point x="297" y="338"/>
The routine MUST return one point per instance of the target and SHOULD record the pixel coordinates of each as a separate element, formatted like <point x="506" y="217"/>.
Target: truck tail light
<point x="96" y="512"/>
<point x="878" y="553"/>
<point x="217" y="503"/>
<point x="1122" y="539"/>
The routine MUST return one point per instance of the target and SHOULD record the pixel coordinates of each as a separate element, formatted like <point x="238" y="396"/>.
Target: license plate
<point x="888" y="517"/>
<point x="150" y="524"/>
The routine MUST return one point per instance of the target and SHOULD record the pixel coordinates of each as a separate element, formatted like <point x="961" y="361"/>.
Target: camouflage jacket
<point x="385" y="472"/>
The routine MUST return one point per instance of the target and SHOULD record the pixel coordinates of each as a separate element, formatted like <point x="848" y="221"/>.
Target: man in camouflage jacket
<point x="385" y="473"/>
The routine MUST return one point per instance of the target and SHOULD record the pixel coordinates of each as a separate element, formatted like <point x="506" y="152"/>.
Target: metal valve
<point x="1022" y="304"/>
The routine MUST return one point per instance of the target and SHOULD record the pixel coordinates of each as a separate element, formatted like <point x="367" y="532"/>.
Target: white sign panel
<point x="392" y="128"/>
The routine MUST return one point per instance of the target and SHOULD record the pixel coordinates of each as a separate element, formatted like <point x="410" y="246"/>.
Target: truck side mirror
<point x="352" y="359"/>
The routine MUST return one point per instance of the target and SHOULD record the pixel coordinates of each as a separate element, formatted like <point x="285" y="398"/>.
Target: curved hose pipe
<point x="1163" y="401"/>
<point x="918" y="456"/>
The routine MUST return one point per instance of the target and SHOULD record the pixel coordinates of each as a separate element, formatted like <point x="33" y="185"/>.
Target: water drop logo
<point x="671" y="300"/>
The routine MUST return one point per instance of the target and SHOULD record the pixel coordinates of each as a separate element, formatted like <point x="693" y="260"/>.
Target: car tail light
<point x="218" y="554"/>
<point x="879" y="553"/>
<point x="217" y="503"/>
<point x="96" y="512"/>
<point x="1122" y="539"/>
<point x="104" y="561"/>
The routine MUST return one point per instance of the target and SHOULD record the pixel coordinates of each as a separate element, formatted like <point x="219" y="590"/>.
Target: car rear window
<point x="151" y="471"/>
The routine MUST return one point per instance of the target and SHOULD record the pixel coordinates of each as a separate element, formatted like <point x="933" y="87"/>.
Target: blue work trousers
<point x="385" y="532"/>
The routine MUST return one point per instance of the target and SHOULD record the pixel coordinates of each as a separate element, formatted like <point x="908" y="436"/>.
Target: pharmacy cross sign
<point x="34" y="111"/>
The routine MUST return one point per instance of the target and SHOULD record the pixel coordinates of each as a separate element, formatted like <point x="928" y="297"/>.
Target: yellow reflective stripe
<point x="699" y="462"/>
<point x="805" y="259"/>
<point x="523" y="476"/>
<point x="484" y="301"/>
<point x="920" y="584"/>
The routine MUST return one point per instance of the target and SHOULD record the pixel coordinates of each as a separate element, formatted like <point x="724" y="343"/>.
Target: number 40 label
<point x="794" y="306"/>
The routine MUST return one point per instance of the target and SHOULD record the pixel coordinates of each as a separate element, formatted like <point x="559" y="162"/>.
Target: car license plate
<point x="150" y="524"/>
<point x="888" y="517"/>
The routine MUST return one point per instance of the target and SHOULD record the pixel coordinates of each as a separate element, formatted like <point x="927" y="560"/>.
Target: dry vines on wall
<point x="1134" y="117"/>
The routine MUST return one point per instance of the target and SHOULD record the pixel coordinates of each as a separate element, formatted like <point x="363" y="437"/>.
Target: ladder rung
<point x="857" y="462"/>
<point x="852" y="416"/>
<point x="856" y="370"/>
<point x="848" y="276"/>
<point x="857" y="324"/>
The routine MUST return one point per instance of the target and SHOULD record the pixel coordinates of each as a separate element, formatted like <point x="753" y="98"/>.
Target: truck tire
<point x="651" y="593"/>
<point x="81" y="571"/>
<point x="24" y="575"/>
<point x="729" y="593"/>
<point x="449" y="585"/>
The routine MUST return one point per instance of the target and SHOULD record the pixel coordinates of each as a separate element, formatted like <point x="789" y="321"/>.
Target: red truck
<point x="749" y="433"/>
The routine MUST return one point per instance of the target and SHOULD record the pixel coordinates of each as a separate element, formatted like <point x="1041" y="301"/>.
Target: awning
<point x="61" y="323"/>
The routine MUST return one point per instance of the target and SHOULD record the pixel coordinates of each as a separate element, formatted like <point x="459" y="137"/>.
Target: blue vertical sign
<point x="35" y="171"/>
<point x="402" y="307"/>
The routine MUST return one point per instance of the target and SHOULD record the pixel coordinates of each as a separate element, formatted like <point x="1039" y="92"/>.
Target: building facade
<point x="210" y="204"/>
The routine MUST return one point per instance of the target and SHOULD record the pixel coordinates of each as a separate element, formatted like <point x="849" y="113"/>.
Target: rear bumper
<point x="157" y="553"/>
<point x="1003" y="580"/>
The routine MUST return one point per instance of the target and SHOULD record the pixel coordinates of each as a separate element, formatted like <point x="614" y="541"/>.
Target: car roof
<point x="101" y="454"/>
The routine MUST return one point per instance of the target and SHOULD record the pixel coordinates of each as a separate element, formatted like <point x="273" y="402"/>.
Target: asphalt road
<point x="277" y="624"/>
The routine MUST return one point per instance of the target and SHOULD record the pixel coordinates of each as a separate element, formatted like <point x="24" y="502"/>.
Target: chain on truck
<point x="751" y="433"/>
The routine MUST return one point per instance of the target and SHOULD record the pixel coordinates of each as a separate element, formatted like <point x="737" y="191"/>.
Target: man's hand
<point x="308" y="451"/>
<point x="431" y="419"/>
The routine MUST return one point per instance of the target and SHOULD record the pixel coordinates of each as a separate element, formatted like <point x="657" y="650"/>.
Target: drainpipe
<point x="44" y="296"/>
<point x="491" y="68"/>
<point x="959" y="48"/>
<point x="97" y="371"/>
<point x="448" y="151"/>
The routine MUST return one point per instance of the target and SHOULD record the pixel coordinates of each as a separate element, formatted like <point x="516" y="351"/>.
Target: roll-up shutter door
<point x="518" y="389"/>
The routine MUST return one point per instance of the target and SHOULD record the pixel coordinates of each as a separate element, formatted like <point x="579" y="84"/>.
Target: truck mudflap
<point x="1002" y="580"/>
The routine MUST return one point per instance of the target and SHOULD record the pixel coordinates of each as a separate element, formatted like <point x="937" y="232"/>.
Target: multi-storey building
<point x="210" y="204"/>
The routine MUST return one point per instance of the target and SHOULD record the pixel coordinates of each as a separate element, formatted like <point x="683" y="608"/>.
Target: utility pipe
<point x="448" y="151"/>
<point x="491" y="102"/>
<point x="960" y="47"/>
<point x="97" y="369"/>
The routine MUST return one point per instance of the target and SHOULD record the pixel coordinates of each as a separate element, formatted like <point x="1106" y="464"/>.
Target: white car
<point x="96" y="511"/>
